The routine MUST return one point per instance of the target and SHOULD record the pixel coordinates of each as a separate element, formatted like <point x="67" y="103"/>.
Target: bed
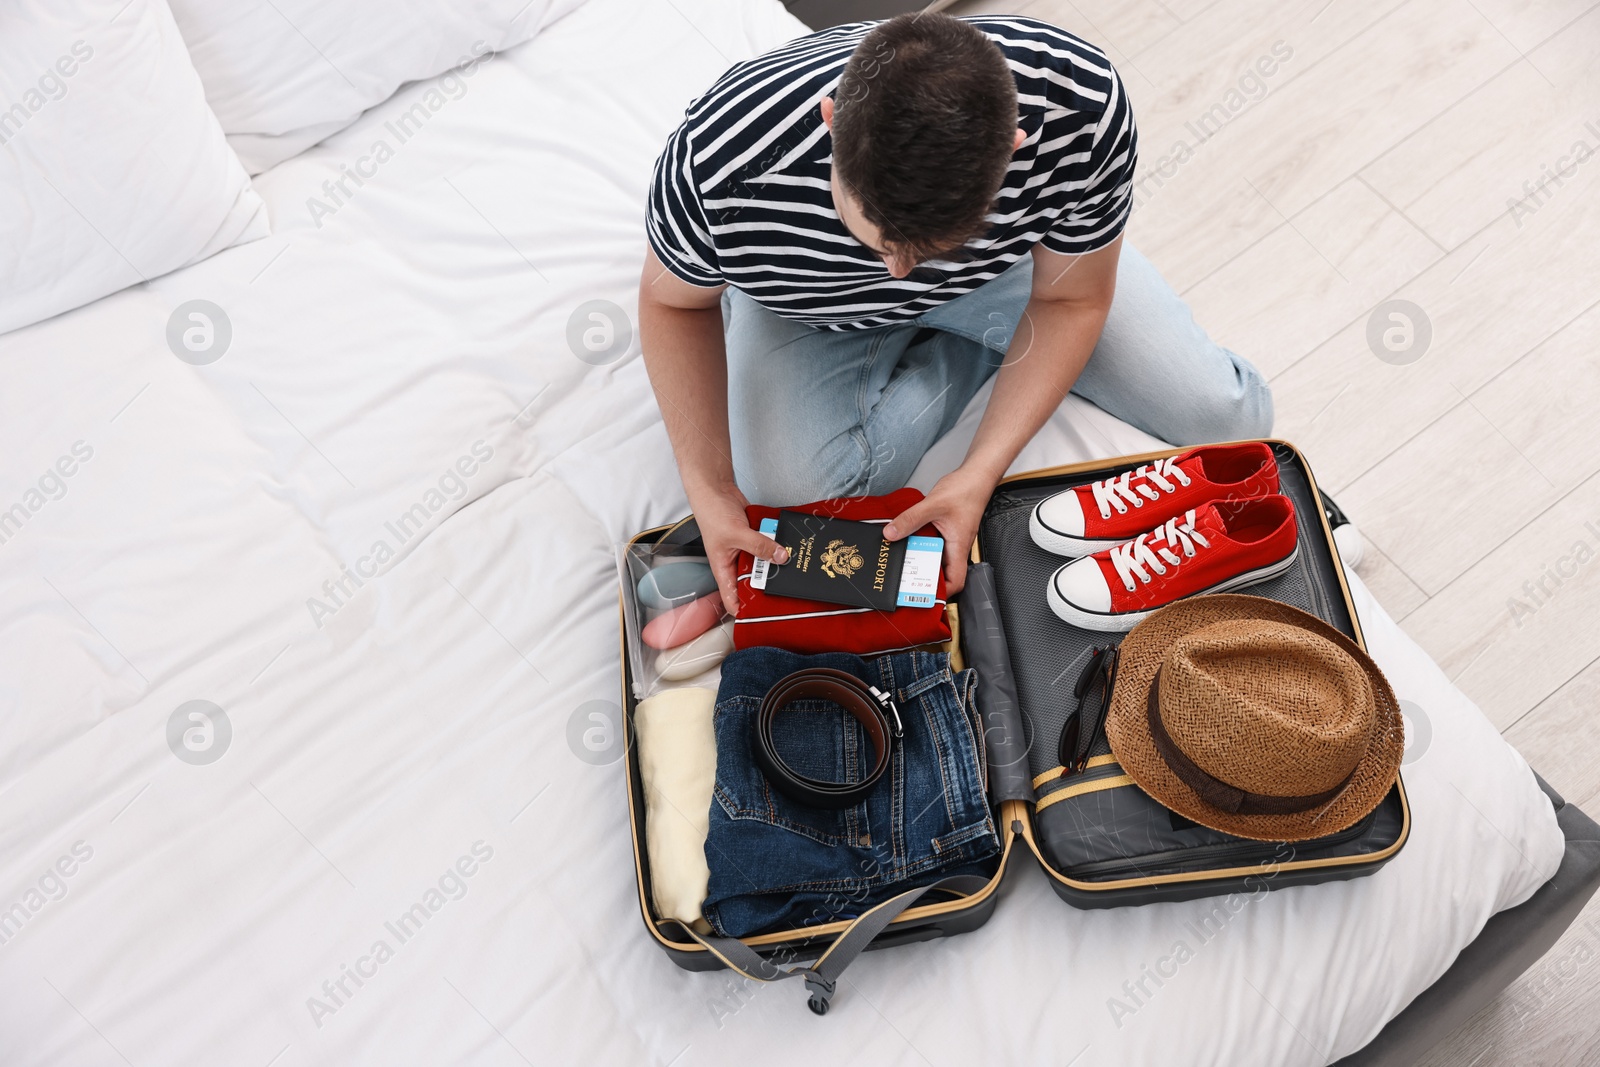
<point x="372" y="546"/>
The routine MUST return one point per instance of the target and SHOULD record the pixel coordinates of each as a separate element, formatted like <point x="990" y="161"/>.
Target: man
<point x="850" y="234"/>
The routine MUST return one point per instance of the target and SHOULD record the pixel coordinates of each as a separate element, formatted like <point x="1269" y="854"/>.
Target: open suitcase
<point x="1101" y="840"/>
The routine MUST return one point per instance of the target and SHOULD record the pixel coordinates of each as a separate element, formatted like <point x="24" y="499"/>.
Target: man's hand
<point x="955" y="507"/>
<point x="726" y="532"/>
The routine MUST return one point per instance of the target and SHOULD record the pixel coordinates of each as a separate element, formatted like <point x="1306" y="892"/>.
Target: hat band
<point x="1217" y="793"/>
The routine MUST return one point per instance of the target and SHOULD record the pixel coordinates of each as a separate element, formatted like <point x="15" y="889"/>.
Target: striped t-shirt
<point x="740" y="194"/>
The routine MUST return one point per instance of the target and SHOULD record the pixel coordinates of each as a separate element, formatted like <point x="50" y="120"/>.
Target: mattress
<point x="309" y="668"/>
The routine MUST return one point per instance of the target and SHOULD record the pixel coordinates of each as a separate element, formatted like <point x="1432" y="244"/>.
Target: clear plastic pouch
<point x="633" y="563"/>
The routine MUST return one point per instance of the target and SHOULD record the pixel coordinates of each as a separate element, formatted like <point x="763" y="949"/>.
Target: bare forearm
<point x="1052" y="344"/>
<point x="684" y="354"/>
<point x="688" y="365"/>
<point x="1057" y="334"/>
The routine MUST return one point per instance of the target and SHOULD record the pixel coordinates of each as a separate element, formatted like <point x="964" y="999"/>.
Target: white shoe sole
<point x="1061" y="544"/>
<point x="1121" y="622"/>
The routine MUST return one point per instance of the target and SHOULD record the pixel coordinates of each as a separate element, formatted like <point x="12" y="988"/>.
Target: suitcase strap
<point x="823" y="975"/>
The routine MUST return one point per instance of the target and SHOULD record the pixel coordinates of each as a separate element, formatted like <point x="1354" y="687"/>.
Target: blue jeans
<point x="821" y="413"/>
<point x="779" y="864"/>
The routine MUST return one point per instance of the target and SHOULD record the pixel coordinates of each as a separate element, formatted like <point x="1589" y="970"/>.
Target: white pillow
<point x="283" y="74"/>
<point x="112" y="168"/>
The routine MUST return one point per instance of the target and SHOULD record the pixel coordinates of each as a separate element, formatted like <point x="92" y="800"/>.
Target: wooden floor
<point x="1303" y="166"/>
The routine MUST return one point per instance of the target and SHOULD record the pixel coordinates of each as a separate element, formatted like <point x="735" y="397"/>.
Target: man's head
<point x="924" y="124"/>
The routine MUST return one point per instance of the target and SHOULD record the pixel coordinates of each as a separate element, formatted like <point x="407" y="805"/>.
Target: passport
<point x="837" y="561"/>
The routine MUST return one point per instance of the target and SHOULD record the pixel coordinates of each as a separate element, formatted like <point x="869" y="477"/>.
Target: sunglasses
<point x="1093" y="694"/>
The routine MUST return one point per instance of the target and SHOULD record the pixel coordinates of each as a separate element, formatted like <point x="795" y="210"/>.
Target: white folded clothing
<point x="678" y="767"/>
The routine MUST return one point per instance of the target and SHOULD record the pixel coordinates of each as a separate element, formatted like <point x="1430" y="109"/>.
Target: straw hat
<point x="1254" y="718"/>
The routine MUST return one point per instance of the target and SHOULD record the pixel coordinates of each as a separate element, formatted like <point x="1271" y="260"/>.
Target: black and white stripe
<point x="740" y="194"/>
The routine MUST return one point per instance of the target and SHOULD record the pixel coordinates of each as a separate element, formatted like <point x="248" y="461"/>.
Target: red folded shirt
<point x="810" y="626"/>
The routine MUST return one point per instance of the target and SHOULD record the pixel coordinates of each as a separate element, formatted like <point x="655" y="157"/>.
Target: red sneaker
<point x="1210" y="549"/>
<point x="1093" y="517"/>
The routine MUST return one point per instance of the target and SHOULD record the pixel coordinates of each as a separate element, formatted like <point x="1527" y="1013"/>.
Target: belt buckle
<point x="886" y="702"/>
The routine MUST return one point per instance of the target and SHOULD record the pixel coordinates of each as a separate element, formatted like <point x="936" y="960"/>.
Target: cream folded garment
<point x="678" y="767"/>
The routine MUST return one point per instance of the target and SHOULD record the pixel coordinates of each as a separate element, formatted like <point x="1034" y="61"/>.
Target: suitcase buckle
<point x="821" y="992"/>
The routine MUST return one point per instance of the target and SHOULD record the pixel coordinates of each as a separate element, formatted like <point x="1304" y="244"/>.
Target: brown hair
<point x="924" y="123"/>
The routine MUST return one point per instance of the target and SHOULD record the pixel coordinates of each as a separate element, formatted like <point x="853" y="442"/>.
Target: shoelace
<point x="1117" y="493"/>
<point x="1148" y="550"/>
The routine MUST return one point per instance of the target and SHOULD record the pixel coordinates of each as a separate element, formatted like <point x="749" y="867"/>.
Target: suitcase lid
<point x="1066" y="819"/>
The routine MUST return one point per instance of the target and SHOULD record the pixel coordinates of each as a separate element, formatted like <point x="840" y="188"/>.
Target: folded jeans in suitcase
<point x="777" y="861"/>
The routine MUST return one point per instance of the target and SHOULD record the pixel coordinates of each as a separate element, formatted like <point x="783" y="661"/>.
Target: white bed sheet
<point x="429" y="714"/>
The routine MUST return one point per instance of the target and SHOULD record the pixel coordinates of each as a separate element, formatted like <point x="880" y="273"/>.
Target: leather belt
<point x="873" y="708"/>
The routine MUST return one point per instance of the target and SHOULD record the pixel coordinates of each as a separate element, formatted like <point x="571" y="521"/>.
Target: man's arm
<point x="680" y="332"/>
<point x="1059" y="329"/>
